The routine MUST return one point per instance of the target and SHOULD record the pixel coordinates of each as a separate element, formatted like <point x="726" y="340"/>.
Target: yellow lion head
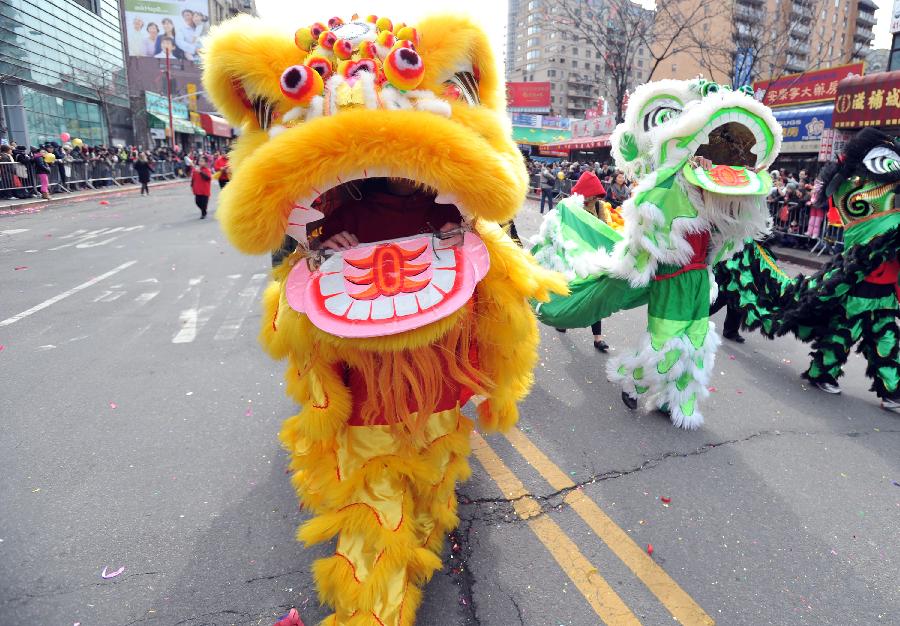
<point x="333" y="105"/>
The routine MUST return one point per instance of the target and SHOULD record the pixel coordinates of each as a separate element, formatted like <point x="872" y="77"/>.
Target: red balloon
<point x="65" y="136"/>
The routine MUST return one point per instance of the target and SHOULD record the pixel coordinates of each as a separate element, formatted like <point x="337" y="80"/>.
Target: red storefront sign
<point x="528" y="96"/>
<point x="814" y="86"/>
<point x="577" y="143"/>
<point x="215" y="125"/>
<point x="868" y="101"/>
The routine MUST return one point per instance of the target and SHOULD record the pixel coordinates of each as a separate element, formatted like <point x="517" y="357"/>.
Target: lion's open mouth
<point x="735" y="141"/>
<point x="402" y="275"/>
<point x="730" y="144"/>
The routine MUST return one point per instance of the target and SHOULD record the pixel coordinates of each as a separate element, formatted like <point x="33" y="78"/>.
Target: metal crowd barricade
<point x="102" y="174"/>
<point x="123" y="172"/>
<point x="17" y="180"/>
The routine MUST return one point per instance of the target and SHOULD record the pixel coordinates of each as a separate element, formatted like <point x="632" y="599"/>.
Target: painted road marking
<point x="14" y="231"/>
<point x="146" y="297"/>
<point x="195" y="318"/>
<point x="247" y="296"/>
<point x="66" y="294"/>
<point x="603" y="599"/>
<point x="88" y="239"/>
<point x="682" y="607"/>
<point x="109" y="296"/>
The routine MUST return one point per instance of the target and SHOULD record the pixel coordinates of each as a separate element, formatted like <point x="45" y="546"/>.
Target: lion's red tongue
<point x="388" y="288"/>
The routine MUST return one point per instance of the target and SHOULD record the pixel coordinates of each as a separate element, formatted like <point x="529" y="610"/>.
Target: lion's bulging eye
<point x="301" y="83"/>
<point x="882" y="160"/>
<point x="660" y="114"/>
<point x="463" y="86"/>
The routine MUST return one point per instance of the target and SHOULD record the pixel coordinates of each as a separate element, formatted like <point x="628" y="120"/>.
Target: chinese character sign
<point x="814" y="86"/>
<point x="870" y="101"/>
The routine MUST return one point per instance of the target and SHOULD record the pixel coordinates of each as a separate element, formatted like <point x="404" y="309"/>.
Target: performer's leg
<point x="677" y="354"/>
<point x="389" y="503"/>
<point x="879" y="344"/>
<point x="830" y="352"/>
<point x="597" y="329"/>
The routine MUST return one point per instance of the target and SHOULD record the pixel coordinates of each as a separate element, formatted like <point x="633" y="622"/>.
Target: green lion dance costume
<point x="680" y="220"/>
<point x="854" y="298"/>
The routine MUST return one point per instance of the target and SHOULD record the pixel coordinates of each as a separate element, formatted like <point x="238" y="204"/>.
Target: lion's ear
<point x="456" y="52"/>
<point x="243" y="60"/>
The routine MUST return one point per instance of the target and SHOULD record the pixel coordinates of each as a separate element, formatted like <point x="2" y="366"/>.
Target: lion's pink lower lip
<point x="388" y="288"/>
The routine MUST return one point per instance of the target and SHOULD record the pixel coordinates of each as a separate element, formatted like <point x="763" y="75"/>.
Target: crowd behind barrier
<point x="76" y="168"/>
<point x="797" y="206"/>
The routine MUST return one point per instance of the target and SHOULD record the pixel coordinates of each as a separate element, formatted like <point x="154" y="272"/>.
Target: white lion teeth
<point x="339" y="304"/>
<point x="293" y="114"/>
<point x="359" y="310"/>
<point x="405" y="304"/>
<point x="331" y="284"/>
<point x="443" y="279"/>
<point x="382" y="308"/>
<point x="444" y="258"/>
<point x="276" y="130"/>
<point x="445" y="198"/>
<point x="429" y="297"/>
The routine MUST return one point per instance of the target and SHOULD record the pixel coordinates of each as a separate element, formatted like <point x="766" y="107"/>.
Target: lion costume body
<point x="385" y="342"/>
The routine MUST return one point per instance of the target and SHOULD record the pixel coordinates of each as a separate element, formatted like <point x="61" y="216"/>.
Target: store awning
<point x="539" y="136"/>
<point x="868" y="101"/>
<point x="181" y="126"/>
<point x="198" y="130"/>
<point x="803" y="127"/>
<point x="215" y="125"/>
<point x="580" y="143"/>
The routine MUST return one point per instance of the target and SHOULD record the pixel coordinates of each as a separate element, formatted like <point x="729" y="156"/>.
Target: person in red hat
<point x="590" y="187"/>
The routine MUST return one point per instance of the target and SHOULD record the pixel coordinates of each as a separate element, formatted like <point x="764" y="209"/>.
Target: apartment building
<point x="750" y="39"/>
<point x="539" y="49"/>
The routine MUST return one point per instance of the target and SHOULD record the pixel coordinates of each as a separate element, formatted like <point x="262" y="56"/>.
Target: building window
<point x="551" y="73"/>
<point x="533" y="54"/>
<point x="534" y="30"/>
<point x="674" y="67"/>
<point x="530" y="67"/>
<point x="574" y="50"/>
<point x="534" y="41"/>
<point x="533" y="5"/>
<point x="90" y="5"/>
<point x="574" y="63"/>
<point x="640" y="62"/>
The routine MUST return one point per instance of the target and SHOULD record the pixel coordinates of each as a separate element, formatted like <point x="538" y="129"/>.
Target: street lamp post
<point x="169" y="96"/>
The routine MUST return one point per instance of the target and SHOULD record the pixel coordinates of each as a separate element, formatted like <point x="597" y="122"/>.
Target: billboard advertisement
<point x="808" y="87"/>
<point x="895" y="17"/>
<point x="526" y="97"/>
<point x="152" y="28"/>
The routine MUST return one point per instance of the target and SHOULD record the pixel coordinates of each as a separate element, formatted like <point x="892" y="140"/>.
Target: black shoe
<point x="735" y="337"/>
<point x="630" y="401"/>
<point x="829" y="387"/>
<point x="561" y="330"/>
<point x="601" y="346"/>
<point x="891" y="402"/>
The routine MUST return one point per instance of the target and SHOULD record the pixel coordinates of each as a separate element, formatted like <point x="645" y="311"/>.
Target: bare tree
<point x="622" y="34"/>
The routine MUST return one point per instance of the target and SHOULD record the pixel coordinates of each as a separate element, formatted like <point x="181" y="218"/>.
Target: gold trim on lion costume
<point x="383" y="485"/>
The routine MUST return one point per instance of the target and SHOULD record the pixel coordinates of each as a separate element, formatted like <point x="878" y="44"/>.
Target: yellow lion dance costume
<point x="380" y="442"/>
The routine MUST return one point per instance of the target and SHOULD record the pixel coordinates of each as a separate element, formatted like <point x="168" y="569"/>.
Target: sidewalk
<point x="802" y="257"/>
<point x="30" y="205"/>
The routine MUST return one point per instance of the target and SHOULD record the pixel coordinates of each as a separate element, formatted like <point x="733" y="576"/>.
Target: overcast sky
<point x="491" y="14"/>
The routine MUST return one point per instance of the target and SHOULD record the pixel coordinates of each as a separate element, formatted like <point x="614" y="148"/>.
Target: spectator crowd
<point x="38" y="171"/>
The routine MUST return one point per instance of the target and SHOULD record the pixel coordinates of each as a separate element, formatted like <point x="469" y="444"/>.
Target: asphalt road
<point x="139" y="424"/>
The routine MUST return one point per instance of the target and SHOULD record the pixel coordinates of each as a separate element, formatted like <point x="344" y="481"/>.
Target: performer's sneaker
<point x="827" y="386"/>
<point x="891" y="403"/>
<point x="561" y="330"/>
<point x="601" y="346"/>
<point x="735" y="337"/>
<point x="629" y="400"/>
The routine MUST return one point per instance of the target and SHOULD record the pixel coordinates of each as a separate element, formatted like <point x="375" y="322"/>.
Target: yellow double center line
<point x="605" y="602"/>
